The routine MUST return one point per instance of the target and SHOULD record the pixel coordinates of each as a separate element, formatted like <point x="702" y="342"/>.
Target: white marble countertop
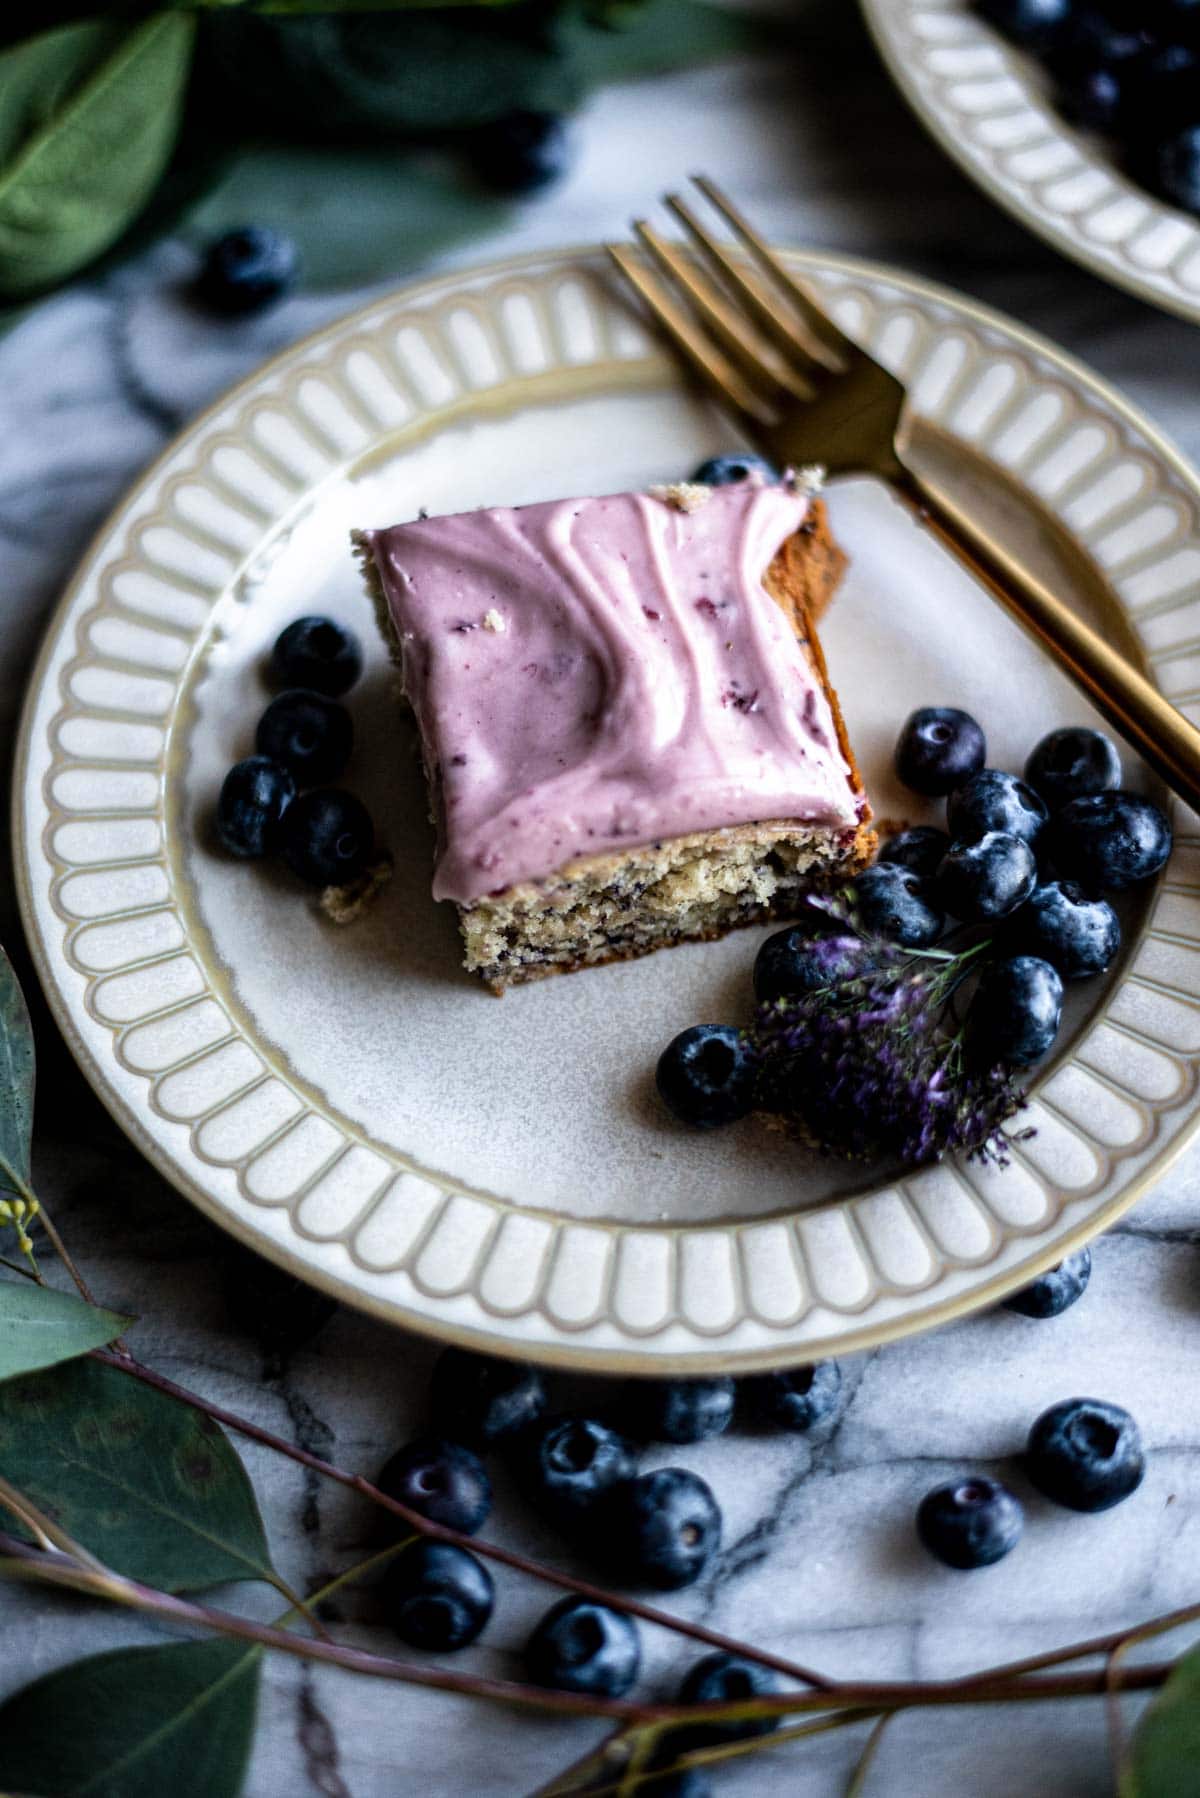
<point x="820" y="1560"/>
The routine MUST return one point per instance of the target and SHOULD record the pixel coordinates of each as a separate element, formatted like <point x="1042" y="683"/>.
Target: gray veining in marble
<point x="820" y="1562"/>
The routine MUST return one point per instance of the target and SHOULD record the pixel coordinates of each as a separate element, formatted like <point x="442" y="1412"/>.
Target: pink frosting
<point x="595" y="674"/>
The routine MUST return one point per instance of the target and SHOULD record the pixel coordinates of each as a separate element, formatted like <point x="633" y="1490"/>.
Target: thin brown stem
<point x="58" y="1569"/>
<point x="242" y="1426"/>
<point x="64" y="1254"/>
<point x="1117" y="1747"/>
<point x="55" y="1569"/>
<point x="1094" y="1645"/>
<point x="50" y="1535"/>
<point x="857" y="1782"/>
<point x="566" y="1781"/>
<point x="27" y="1272"/>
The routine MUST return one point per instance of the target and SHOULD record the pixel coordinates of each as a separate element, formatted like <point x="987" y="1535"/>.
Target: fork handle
<point x="1133" y="706"/>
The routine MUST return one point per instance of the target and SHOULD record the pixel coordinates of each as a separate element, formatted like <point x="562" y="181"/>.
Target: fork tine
<point x="771" y="318"/>
<point x="819" y="323"/>
<point x="710" y="364"/>
<point x="738" y="339"/>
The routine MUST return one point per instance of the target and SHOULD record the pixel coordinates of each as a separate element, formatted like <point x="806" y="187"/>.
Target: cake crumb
<point x="343" y="905"/>
<point x="494" y="621"/>
<point x="685" y="496"/>
<point x="810" y="479"/>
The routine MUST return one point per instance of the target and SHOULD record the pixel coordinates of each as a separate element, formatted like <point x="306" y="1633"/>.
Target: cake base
<point x="689" y="889"/>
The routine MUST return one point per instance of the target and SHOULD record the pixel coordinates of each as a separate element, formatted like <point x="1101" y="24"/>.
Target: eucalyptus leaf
<point x="89" y="115"/>
<point x="1165" y="1762"/>
<point x="356" y="214"/>
<point x="16" y="1081"/>
<point x="149" y="1485"/>
<point x="659" y="35"/>
<point x="176" y="1720"/>
<point x="362" y="77"/>
<point x="39" y="1327"/>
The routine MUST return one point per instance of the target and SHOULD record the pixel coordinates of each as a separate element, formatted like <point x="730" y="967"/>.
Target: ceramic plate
<point x="499" y="1171"/>
<point x="989" y="106"/>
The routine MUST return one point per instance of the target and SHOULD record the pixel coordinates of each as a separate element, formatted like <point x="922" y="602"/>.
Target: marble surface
<point x="820" y="1561"/>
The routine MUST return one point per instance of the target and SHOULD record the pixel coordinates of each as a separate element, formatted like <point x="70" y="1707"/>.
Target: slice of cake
<point x="628" y="731"/>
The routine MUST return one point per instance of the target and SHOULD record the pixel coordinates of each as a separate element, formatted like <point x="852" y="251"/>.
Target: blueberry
<point x="723" y="1679"/>
<point x="442" y="1480"/>
<point x="1034" y="23"/>
<point x="1175" y="168"/>
<point x="892" y="902"/>
<point x="1110" y="841"/>
<point x="796" y="1398"/>
<point x="920" y="849"/>
<point x="1056" y="1290"/>
<point x="1015" y="1013"/>
<point x="254" y="796"/>
<point x="662" y="1528"/>
<point x="938" y="749"/>
<point x="1072" y="762"/>
<point x="1085" y="1454"/>
<point x="484" y="1401"/>
<point x="679" y="1411"/>
<point x="728" y="471"/>
<point x="1078" y="935"/>
<point x="970" y="1522"/>
<point x="247" y="269"/>
<point x="317" y="654"/>
<point x="1096" y="97"/>
<point x="437" y="1596"/>
<point x="567" y="1463"/>
<point x="309" y="734"/>
<point x="521" y="152"/>
<point x="993" y="800"/>
<point x="583" y="1647"/>
<point x="328" y="837"/>
<point x="706" y="1075"/>
<point x="794" y="962"/>
<point x="987" y="879"/>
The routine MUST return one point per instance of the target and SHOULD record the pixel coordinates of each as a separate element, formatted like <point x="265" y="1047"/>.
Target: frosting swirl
<point x="590" y="675"/>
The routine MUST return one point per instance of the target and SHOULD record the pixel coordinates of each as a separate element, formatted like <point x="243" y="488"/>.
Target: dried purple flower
<point x="867" y="1066"/>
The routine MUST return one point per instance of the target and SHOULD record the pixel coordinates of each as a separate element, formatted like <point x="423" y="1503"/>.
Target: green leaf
<point x="88" y="118"/>
<point x="660" y="35"/>
<point x="39" y="1327"/>
<point x="1166" y="1744"/>
<point x="365" y="77"/>
<point x="356" y="214"/>
<point x="150" y="1486"/>
<point x="139" y="1721"/>
<point x="16" y="1079"/>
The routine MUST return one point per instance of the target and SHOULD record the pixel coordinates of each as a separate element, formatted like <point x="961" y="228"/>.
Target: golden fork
<point x="806" y="393"/>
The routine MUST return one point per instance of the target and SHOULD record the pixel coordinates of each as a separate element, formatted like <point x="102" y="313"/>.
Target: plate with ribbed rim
<point x="498" y="1172"/>
<point x="990" y="108"/>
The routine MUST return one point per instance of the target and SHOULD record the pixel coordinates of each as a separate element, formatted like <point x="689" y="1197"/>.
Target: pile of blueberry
<point x="1028" y="862"/>
<point x="659" y="1528"/>
<point x="304" y="739"/>
<point x="662" y="1528"/>
<point x="1127" y="68"/>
